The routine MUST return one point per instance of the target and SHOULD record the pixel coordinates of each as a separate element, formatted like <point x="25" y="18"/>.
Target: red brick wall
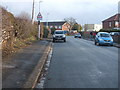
<point x="106" y="25"/>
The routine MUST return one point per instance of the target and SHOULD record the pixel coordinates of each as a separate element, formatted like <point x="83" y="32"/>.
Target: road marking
<point x="8" y="66"/>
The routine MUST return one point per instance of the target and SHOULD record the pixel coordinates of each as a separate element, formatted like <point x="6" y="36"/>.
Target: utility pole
<point x="33" y="12"/>
<point x="47" y="21"/>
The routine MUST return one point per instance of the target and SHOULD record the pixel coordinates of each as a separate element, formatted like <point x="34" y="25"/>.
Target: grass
<point x="23" y="43"/>
<point x="18" y="44"/>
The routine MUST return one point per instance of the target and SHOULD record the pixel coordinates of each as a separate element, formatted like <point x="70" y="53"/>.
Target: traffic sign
<point x="39" y="16"/>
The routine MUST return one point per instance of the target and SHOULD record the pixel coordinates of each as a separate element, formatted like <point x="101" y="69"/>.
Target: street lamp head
<point x="40" y="1"/>
<point x="39" y="5"/>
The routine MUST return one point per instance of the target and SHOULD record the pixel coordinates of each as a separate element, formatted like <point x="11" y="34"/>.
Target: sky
<point x="84" y="11"/>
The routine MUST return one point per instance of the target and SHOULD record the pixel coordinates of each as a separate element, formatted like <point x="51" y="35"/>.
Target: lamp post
<point x="33" y="12"/>
<point x="39" y="5"/>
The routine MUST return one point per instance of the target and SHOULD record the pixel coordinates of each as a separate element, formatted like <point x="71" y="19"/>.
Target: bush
<point x="109" y="30"/>
<point x="23" y="27"/>
<point x="46" y="32"/>
<point x="16" y="31"/>
<point x="53" y="30"/>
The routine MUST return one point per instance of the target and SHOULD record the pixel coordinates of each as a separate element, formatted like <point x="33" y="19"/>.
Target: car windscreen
<point x="78" y="34"/>
<point x="104" y="35"/>
<point x="59" y="32"/>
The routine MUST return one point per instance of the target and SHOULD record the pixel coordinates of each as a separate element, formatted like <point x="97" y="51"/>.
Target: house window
<point x="60" y="27"/>
<point x="51" y="26"/>
<point x="110" y="24"/>
<point x="116" y="23"/>
<point x="56" y="27"/>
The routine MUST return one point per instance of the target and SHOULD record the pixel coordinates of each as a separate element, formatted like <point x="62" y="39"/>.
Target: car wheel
<point x="53" y="40"/>
<point x="64" y="40"/>
<point x="111" y="45"/>
<point x="95" y="43"/>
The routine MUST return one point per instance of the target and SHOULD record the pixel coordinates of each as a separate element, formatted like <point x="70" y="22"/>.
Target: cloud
<point x="85" y="11"/>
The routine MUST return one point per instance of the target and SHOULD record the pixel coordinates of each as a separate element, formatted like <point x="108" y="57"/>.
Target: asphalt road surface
<point x="78" y="63"/>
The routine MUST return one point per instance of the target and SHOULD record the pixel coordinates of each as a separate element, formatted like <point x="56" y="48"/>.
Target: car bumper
<point x="77" y="36"/>
<point x="106" y="43"/>
<point x="59" y="38"/>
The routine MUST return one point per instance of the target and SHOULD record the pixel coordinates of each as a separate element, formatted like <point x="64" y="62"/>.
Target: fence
<point x="116" y="38"/>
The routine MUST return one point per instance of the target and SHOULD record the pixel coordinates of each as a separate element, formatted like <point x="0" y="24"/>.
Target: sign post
<point x="39" y="17"/>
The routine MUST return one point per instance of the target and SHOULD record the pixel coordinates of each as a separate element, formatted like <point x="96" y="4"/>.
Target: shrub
<point x="23" y="27"/>
<point x="53" y="30"/>
<point x="109" y="30"/>
<point x="46" y="32"/>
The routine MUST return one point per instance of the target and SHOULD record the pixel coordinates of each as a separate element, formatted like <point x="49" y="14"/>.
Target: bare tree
<point x="24" y="15"/>
<point x="71" y="21"/>
<point x="23" y="27"/>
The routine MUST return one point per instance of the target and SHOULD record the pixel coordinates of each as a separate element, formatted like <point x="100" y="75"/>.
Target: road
<point x="78" y="63"/>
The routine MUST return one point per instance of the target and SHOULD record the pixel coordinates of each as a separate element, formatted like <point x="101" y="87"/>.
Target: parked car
<point x="114" y="33"/>
<point x="78" y="35"/>
<point x="59" y="35"/>
<point x="103" y="38"/>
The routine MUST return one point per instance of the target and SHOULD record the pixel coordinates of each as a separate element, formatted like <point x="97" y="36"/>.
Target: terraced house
<point x="112" y="22"/>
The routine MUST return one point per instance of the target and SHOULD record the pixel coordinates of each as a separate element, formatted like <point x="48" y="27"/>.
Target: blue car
<point x="103" y="38"/>
<point x="78" y="35"/>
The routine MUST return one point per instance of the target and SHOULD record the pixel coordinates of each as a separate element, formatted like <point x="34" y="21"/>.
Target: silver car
<point x="59" y="35"/>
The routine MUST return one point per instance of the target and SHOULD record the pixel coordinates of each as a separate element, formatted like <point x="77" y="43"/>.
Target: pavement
<point x="117" y="45"/>
<point x="79" y="63"/>
<point x="22" y="69"/>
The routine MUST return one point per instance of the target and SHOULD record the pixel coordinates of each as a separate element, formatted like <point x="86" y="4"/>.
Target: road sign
<point x="39" y="16"/>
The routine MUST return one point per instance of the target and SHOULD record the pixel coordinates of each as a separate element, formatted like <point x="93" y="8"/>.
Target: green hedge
<point x="110" y="30"/>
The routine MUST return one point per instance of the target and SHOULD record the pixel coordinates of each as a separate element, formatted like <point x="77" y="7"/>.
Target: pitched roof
<point x="54" y="23"/>
<point x="113" y="18"/>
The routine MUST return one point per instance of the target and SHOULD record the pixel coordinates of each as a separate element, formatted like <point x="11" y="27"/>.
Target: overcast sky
<point x="84" y="11"/>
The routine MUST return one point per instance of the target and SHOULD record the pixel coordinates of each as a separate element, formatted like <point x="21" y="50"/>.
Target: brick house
<point x="112" y="22"/>
<point x="66" y="26"/>
<point x="59" y="25"/>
